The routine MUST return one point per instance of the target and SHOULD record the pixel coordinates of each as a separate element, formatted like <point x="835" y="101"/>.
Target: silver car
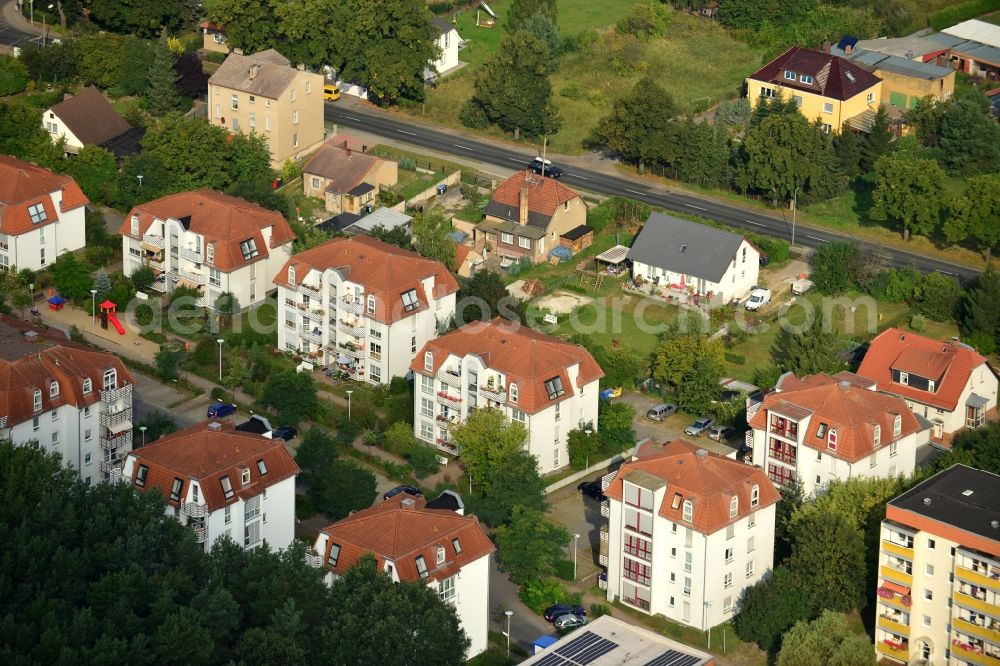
<point x="699" y="427"/>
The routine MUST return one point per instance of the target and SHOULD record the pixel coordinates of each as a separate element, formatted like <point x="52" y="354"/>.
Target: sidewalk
<point x="12" y="17"/>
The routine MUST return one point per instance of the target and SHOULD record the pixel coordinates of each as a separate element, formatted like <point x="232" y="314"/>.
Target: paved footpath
<point x="10" y="15"/>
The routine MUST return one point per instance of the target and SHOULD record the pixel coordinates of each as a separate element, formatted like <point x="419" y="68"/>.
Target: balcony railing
<point x="309" y="289"/>
<point x="315" y="315"/>
<point x="200" y="534"/>
<point x="602" y="583"/>
<point x="356" y="331"/>
<point x="637" y="603"/>
<point x="312" y="334"/>
<point x="110" y="420"/>
<point x="314" y="559"/>
<point x="355" y="351"/>
<point x="352" y="305"/>
<point x="497" y="395"/>
<point x="107" y="466"/>
<point x="192" y="255"/>
<point x="895" y="649"/>
<point x="977" y="654"/>
<point x="123" y="392"/>
<point x="116" y="475"/>
<point x="154" y="240"/>
<point x="785" y="453"/>
<point x="605" y="535"/>
<point x="446" y="420"/>
<point x="448" y="399"/>
<point x="603" y="560"/>
<point x="988" y="630"/>
<point x="606" y="508"/>
<point x="789" y="432"/>
<point x="985" y="578"/>
<point x="116" y="442"/>
<point x="894" y="623"/>
<point x="194" y="509"/>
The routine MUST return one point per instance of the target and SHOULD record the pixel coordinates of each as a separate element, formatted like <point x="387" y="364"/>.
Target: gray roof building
<point x="684" y="247"/>
<point x="267" y="73"/>
<point x="960" y="496"/>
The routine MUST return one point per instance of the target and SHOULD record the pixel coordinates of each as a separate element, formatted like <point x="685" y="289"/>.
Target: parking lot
<point x="672" y="427"/>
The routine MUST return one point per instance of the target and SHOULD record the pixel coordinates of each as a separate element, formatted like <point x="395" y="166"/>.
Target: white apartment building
<point x="546" y="384"/>
<point x="938" y="595"/>
<point x="821" y="428"/>
<point x="41" y="215"/>
<point x="447" y="40"/>
<point x="687" y="531"/>
<point x="362" y="306"/>
<point x="207" y="240"/>
<point x="72" y="400"/>
<point x="948" y="383"/>
<point x="412" y="541"/>
<point x="221" y="482"/>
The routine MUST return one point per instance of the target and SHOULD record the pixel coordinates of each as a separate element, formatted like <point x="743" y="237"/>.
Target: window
<point x="261" y="467"/>
<point x="210" y="253"/>
<point x="426" y="407"/>
<point x="555" y="456"/>
<point x="87" y="436"/>
<point x="37" y="213"/>
<point x="421" y="566"/>
<point x="904" y="378"/>
<point x="292" y="96"/>
<point x="727" y="580"/>
<point x="55" y="438"/>
<point x="558" y="411"/>
<point x="309" y="87"/>
<point x="871" y="98"/>
<point x="821" y="430"/>
<point x="228" y="514"/>
<point x="788" y="75"/>
<point x="234" y="102"/>
<point x="86" y="459"/>
<point x="873" y="461"/>
<point x="375" y="350"/>
<point x="218" y="111"/>
<point x="554" y="388"/>
<point x="295" y="117"/>
<point x="110" y="379"/>
<point x="267" y="121"/>
<point x="766" y="93"/>
<point x="734" y="506"/>
<point x="519" y="416"/>
<point x="805" y="78"/>
<point x="827" y="107"/>
<point x="688" y="510"/>
<point x="752" y="519"/>
<point x="251" y="534"/>
<point x="245" y="476"/>
<point x="427" y="384"/>
<point x="140" y="476"/>
<point x="426" y="431"/>
<point x="295" y="140"/>
<point x="831" y="439"/>
<point x="893" y="449"/>
<point x="38" y="399"/>
<point x="457" y="545"/>
<point x="897" y="425"/>
<point x="877" y="436"/>
<point x="827" y="128"/>
<point x="55" y="415"/>
<point x="214" y="277"/>
<point x="252" y="121"/>
<point x="929" y="569"/>
<point x="506" y="238"/>
<point x="729" y="555"/>
<point x="413" y="339"/>
<point x="135" y="225"/>
<point x="87" y="385"/>
<point x="252" y="508"/>
<point x="447" y="589"/>
<point x="636" y="571"/>
<point x="928" y="595"/>
<point x="440" y="555"/>
<point x="429" y="361"/>
<point x="410" y="301"/>
<point x="175" y="489"/>
<point x="41" y="256"/>
<point x="797" y="101"/>
<point x="34" y="424"/>
<point x="751" y="544"/>
<point x="371" y="305"/>
<point x="524" y="242"/>
<point x="227" y="487"/>
<point x="930" y="544"/>
<point x="749" y="568"/>
<point x="375" y="373"/>
<point x="249" y="249"/>
<point x="513" y="393"/>
<point x="754" y="495"/>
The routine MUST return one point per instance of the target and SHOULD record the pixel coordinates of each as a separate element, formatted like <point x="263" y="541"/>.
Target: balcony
<point x="315" y="315"/>
<point x="446" y="398"/>
<point x="602" y="583"/>
<point x="497" y="395"/>
<point x="116" y="475"/>
<point x="121" y="393"/>
<point x="451" y="379"/>
<point x="894" y="624"/>
<point x="606" y="509"/>
<point x="154" y="264"/>
<point x="446" y="420"/>
<point x="312" y="290"/>
<point x="897" y="549"/>
<point x="973" y="653"/>
<point x="895" y="650"/>
<point x="108" y="465"/>
<point x="790" y="431"/>
<point x="355" y="351"/>
<point x="352" y="328"/>
<point x="354" y="306"/>
<point x="154" y="241"/>
<point x="312" y="335"/>
<point x="191" y="254"/>
<point x="782" y="452"/>
<point x="314" y="559"/>
<point x="116" y="442"/>
<point x="194" y="509"/>
<point x="191" y="276"/>
<point x="641" y="604"/>
<point x="200" y="534"/>
<point x="898" y="574"/>
<point x="982" y="579"/>
<point x="118" y="421"/>
<point x="975" y="603"/>
<point x="603" y="560"/>
<point x="605" y="535"/>
<point x="990" y="632"/>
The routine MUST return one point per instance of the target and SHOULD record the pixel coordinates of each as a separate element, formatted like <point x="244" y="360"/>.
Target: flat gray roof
<point x="960" y="496"/>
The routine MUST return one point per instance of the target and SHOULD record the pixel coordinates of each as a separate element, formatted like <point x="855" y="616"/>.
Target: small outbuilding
<point x="577" y="239"/>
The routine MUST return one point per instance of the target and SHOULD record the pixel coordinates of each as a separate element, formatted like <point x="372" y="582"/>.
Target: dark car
<point x="409" y="490"/>
<point x="552" y="612"/>
<point x="592" y="489"/>
<point x="221" y="409"/>
<point x="285" y="432"/>
<point x="550" y="169"/>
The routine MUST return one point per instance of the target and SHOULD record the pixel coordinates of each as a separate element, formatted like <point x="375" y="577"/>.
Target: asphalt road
<point x="10" y="35"/>
<point x="377" y="123"/>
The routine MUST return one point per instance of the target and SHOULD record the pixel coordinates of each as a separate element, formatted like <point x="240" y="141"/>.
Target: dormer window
<point x="897" y="425"/>
<point x="249" y="249"/>
<point x="930" y="385"/>
<point x="877" y="436"/>
<point x="227" y="487"/>
<point x="110" y="379"/>
<point x="87" y="386"/>
<point x="210" y="253"/>
<point x="904" y="378"/>
<point x="754" y="495"/>
<point x="688" y="510"/>
<point x="734" y="506"/>
<point x="831" y="439"/>
<point x="457" y="545"/>
<point x="513" y="393"/>
<point x="429" y="361"/>
<point x="37" y="213"/>
<point x="245" y="477"/>
<point x="334" y="556"/>
<point x="175" y="489"/>
<point x="805" y="78"/>
<point x="371" y="305"/>
<point x="53" y="389"/>
<point x="440" y="555"/>
<point x="790" y="75"/>
<point x="821" y="430"/>
<point x="135" y="225"/>
<point x="554" y="387"/>
<point x="140" y="475"/>
<point x="291" y="275"/>
<point x="421" y="566"/>
<point x="410" y="302"/>
<point x="38" y="400"/>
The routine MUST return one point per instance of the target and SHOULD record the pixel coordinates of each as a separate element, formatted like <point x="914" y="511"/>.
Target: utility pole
<point x="545" y="141"/>
<point x="795" y="210"/>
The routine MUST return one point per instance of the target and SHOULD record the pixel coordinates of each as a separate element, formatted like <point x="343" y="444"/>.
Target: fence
<point x="584" y="473"/>
<point x="419" y="199"/>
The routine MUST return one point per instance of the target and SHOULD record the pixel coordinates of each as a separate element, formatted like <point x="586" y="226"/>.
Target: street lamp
<point x="708" y="629"/>
<point x="43" y="26"/>
<point x="576" y="538"/>
<point x="143" y="430"/>
<point x="586" y="457"/>
<point x="93" y="311"/>
<point x="349" y="392"/>
<point x="220" y="341"/>
<point x="140" y="180"/>
<point x="32" y="13"/>
<point x="508" y="613"/>
<point x="795" y="210"/>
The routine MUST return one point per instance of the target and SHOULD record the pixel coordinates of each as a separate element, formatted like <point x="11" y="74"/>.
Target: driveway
<point x="672" y="428"/>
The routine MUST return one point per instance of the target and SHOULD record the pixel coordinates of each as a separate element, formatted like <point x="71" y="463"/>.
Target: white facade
<point x="57" y="129"/>
<point x="178" y="254"/>
<point x="93" y="439"/>
<point x="463" y="385"/>
<point x="739" y="278"/>
<point x="659" y="566"/>
<point x="327" y="317"/>
<point x="983" y="383"/>
<point x="41" y="246"/>
<point x="447" y="42"/>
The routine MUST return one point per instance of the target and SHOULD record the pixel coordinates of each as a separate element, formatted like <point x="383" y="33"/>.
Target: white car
<point x="758" y="298"/>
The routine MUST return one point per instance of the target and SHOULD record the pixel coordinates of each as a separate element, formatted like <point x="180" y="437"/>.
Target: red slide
<point x="117" y="324"/>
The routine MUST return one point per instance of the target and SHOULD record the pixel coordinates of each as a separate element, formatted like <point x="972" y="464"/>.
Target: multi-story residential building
<point x="221" y="482"/>
<point x="41" y="215"/>
<point x="263" y="94"/>
<point x="209" y="241"/>
<point x="687" y="532"/>
<point x="411" y="541"/>
<point x="527" y="215"/>
<point x="72" y="400"/>
<point x="938" y="595"/>
<point x="948" y="383"/>
<point x="362" y="306"/>
<point x="546" y="384"/>
<point x="832" y="90"/>
<point x="821" y="428"/>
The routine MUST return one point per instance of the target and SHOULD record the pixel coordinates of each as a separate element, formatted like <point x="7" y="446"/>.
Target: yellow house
<point x="906" y="81"/>
<point x="263" y="94"/>
<point x="213" y="37"/>
<point x="823" y="86"/>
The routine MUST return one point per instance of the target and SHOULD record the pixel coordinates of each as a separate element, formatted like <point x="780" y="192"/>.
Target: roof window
<point x="334" y="554"/>
<point x="421" y="566"/>
<point x="249" y="249"/>
<point x="554" y="387"/>
<point x="140" y="476"/>
<point x="227" y="487"/>
<point x="805" y="78"/>
<point x="790" y="75"/>
<point x="175" y="489"/>
<point x="457" y="545"/>
<point x="37" y="213"/>
<point x="261" y="467"/>
<point x="410" y="301"/>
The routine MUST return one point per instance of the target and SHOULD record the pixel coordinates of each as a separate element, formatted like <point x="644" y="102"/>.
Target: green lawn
<point x="412" y="183"/>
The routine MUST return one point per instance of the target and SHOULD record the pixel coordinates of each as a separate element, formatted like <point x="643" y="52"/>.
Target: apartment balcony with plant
<point x="446" y="398"/>
<point x="352" y="305"/>
<point x="493" y="390"/>
<point x="352" y="326"/>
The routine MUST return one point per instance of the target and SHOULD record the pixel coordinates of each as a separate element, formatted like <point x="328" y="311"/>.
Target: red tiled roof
<point x="842" y="404"/>
<point x="23" y="184"/>
<point x="525" y="356"/>
<point x="399" y="533"/>
<point x="949" y="364"/>
<point x="64" y="362"/>
<point x="205" y="454"/>
<point x="461" y="253"/>
<point x="833" y="76"/>
<point x="224" y="220"/>
<point x="384" y="270"/>
<point x="544" y="194"/>
<point x="707" y="479"/>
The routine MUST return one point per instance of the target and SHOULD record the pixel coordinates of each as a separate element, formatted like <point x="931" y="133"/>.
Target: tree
<point x="487" y="439"/>
<point x="167" y="361"/>
<point x="978" y="317"/>
<point x="432" y="239"/>
<point x="925" y="119"/>
<point x="831" y="266"/>
<point x="640" y="126"/>
<point x="71" y="277"/>
<point x="828" y="552"/>
<point x="250" y="24"/>
<point x="513" y="90"/>
<point x="162" y="92"/>
<point x="23" y="135"/>
<point x="699" y="386"/>
<point x="768" y="609"/>
<point x="909" y="192"/>
<point x="156" y="423"/>
<point x="485" y="296"/>
<point x="937" y="296"/>
<point x="102" y="283"/>
<point x="972" y="215"/>
<point x="21" y="299"/>
<point x="340" y="487"/>
<point x="791" y="501"/>
<point x="810" y="351"/>
<point x="516" y="483"/>
<point x="767" y="375"/>
<point x="192" y="152"/>
<point x="522" y="10"/>
<point x="373" y="620"/>
<point x="141" y="278"/>
<point x="13" y="76"/>
<point x="980" y="447"/>
<point x="542" y="27"/>
<point x="679" y="349"/>
<point x="316" y="451"/>
<point x="847" y="146"/>
<point x="877" y="142"/>
<point x="237" y="372"/>
<point x="582" y="445"/>
<point x="826" y="640"/>
<point x="292" y="395"/>
<point x="397" y="236"/>
<point x="146" y="18"/>
<point x="644" y="21"/>
<point x="227" y="306"/>
<point x="530" y="545"/>
<point x="969" y="137"/>
<point x="95" y="171"/>
<point x="248" y="159"/>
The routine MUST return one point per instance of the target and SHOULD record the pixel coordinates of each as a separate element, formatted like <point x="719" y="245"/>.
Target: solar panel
<point x="586" y="648"/>
<point x="553" y="660"/>
<point x="673" y="658"/>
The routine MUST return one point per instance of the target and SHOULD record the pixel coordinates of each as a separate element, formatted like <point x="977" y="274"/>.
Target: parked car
<point x="409" y="490"/>
<point x="699" y="427"/>
<point x="551" y="170"/>
<point x="758" y="298"/>
<point x="721" y="433"/>
<point x="592" y="489"/>
<point x="331" y="92"/>
<point x="219" y="410"/>
<point x="285" y="432"/>
<point x="569" y="621"/>
<point x="553" y="612"/>
<point x="661" y="411"/>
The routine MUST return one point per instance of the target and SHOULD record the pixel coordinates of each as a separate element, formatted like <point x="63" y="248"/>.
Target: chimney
<point x="827" y="46"/>
<point x="215" y="425"/>
<point x="522" y="205"/>
<point x="254" y="68"/>
<point x="238" y="51"/>
<point x="408" y="503"/>
<point x="701" y="455"/>
<point x="67" y="96"/>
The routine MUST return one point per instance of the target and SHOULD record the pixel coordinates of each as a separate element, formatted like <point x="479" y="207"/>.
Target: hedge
<point x="949" y="16"/>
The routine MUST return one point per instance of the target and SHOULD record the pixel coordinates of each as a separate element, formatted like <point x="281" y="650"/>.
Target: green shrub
<point x="564" y="570"/>
<point x="571" y="91"/>
<point x="219" y="394"/>
<point x="13" y="76"/>
<point x="949" y="16"/>
<point x="777" y="250"/>
<point x="540" y="593"/>
<point x="407" y="164"/>
<point x="738" y="359"/>
<point x="918" y="322"/>
<point x="473" y="116"/>
<point x="599" y="610"/>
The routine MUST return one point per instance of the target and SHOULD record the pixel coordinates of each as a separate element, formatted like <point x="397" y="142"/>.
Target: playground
<point x="562" y="302"/>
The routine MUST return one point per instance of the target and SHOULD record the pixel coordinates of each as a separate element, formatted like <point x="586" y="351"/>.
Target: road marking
<point x="634" y="192"/>
<point x="947" y="272"/>
<point x="463" y="147"/>
<point x="405" y="132"/>
<point x="696" y="207"/>
<point x="515" y="159"/>
<point x="352" y="118"/>
<point x="573" y="175"/>
<point x="821" y="240"/>
<point x="756" y="223"/>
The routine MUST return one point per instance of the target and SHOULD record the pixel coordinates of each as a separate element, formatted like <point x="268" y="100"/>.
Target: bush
<point x="540" y="593"/>
<point x="564" y="570"/>
<point x="423" y="459"/>
<point x="738" y="359"/>
<point x="949" y="16"/>
<point x="831" y="267"/>
<point x="776" y="250"/>
<point x="473" y="116"/>
<point x="407" y="164"/>
<point x="938" y="296"/>
<point x="13" y="76"/>
<point x="220" y="394"/>
<point x="571" y="91"/>
<point x="599" y="610"/>
<point x="918" y="322"/>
